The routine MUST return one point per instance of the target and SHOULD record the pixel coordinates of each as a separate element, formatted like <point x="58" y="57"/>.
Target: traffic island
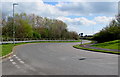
<point x="87" y="46"/>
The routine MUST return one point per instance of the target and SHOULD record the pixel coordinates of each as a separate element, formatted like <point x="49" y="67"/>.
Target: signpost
<point x="81" y="35"/>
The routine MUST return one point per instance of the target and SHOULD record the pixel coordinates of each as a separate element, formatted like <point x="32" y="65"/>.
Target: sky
<point x="80" y="16"/>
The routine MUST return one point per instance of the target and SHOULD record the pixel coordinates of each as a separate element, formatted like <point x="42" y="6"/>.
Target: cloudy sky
<point x="82" y="17"/>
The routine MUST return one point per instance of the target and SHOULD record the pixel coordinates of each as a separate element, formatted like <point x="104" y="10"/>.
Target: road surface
<point x="58" y="59"/>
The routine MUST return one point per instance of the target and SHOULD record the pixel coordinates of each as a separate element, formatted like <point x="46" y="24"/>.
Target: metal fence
<point x="27" y="39"/>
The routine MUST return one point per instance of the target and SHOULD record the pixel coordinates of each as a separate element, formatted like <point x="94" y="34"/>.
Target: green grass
<point x="7" y="48"/>
<point x="108" y="45"/>
<point x="96" y="50"/>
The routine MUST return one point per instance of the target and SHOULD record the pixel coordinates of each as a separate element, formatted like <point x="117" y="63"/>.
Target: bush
<point x="36" y="35"/>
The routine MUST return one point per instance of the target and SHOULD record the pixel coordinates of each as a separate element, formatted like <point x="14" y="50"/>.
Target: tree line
<point x="36" y="27"/>
<point x="109" y="33"/>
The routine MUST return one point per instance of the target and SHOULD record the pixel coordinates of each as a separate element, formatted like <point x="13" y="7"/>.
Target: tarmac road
<point x="59" y="59"/>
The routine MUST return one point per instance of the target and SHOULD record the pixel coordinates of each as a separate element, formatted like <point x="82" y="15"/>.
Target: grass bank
<point x="7" y="48"/>
<point x="108" y="45"/>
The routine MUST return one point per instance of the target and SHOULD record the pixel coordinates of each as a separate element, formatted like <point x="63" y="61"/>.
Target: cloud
<point x="76" y="8"/>
<point x="38" y="8"/>
<point x="103" y="19"/>
<point x="62" y="9"/>
<point x="86" y="25"/>
<point x="89" y="8"/>
<point x="80" y="24"/>
<point x="77" y="21"/>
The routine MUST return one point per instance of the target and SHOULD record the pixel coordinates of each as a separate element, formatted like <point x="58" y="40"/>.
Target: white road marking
<point x="22" y="62"/>
<point x="9" y="57"/>
<point x="14" y="55"/>
<point x="17" y="66"/>
<point x="11" y="60"/>
<point x="13" y="63"/>
<point x="19" y="59"/>
<point x="28" y="66"/>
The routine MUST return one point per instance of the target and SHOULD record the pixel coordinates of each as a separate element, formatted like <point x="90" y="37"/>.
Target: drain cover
<point x="83" y="58"/>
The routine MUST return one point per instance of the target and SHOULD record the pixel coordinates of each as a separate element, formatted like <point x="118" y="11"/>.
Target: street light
<point x="13" y="24"/>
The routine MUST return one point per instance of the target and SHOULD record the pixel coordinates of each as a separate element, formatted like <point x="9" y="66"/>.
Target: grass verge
<point x="78" y="46"/>
<point x="108" y="45"/>
<point x="7" y="48"/>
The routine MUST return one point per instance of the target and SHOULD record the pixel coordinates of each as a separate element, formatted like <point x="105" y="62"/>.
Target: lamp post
<point x="13" y="24"/>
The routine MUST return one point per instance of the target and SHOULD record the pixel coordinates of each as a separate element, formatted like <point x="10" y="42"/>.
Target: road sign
<point x="81" y="34"/>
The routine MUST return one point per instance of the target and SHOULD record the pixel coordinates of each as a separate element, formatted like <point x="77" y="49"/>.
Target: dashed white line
<point x="9" y="57"/>
<point x="29" y="67"/>
<point x="17" y="66"/>
<point x="14" y="55"/>
<point x="19" y="59"/>
<point x="11" y="60"/>
<point x="22" y="62"/>
<point x="13" y="63"/>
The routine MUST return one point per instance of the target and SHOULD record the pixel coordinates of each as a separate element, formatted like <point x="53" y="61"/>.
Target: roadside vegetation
<point x="108" y="38"/>
<point x="109" y="33"/>
<point x="35" y="27"/>
<point x="108" y="45"/>
<point x="6" y="49"/>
